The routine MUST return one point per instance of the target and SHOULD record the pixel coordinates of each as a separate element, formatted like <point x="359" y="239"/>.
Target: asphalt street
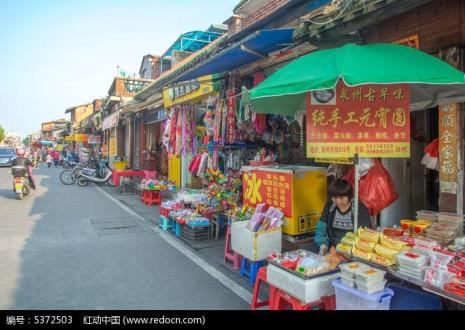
<point x="71" y="247"/>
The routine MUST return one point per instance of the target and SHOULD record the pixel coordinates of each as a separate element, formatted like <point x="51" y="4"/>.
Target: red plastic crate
<point x="165" y="211"/>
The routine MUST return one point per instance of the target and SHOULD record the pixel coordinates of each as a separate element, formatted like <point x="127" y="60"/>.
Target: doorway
<point x="417" y="186"/>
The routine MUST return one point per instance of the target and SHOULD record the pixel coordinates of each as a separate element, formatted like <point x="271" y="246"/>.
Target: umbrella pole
<point x="357" y="178"/>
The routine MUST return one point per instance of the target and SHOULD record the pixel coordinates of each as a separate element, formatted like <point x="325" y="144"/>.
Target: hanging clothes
<point x="174" y="117"/>
<point x="231" y="117"/>
<point x="178" y="148"/>
<point x="259" y="119"/>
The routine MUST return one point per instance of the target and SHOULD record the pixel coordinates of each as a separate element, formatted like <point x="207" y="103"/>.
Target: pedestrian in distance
<point x="56" y="157"/>
<point x="48" y="160"/>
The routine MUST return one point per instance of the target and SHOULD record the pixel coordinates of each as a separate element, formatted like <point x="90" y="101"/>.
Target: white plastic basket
<point x="254" y="246"/>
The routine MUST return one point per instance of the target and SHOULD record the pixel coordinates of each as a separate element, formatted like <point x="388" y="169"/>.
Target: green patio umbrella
<point x="431" y="80"/>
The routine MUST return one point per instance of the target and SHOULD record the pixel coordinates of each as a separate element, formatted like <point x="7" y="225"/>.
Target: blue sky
<point x="59" y="53"/>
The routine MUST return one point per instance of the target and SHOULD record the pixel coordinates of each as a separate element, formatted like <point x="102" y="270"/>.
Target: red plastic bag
<point x="377" y="190"/>
<point x="432" y="149"/>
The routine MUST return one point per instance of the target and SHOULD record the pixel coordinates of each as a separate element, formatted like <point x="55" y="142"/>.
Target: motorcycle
<point x="101" y="174"/>
<point x="70" y="162"/>
<point x="21" y="185"/>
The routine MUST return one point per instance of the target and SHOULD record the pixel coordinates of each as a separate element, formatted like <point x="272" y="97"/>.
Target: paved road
<point x="67" y="247"/>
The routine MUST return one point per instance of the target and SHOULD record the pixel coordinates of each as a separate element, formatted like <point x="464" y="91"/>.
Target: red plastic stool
<point x="282" y="299"/>
<point x="151" y="197"/>
<point x="261" y="277"/>
<point x="229" y="254"/>
<point x="329" y="302"/>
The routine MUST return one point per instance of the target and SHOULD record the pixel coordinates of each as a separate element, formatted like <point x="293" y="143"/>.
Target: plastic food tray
<point x="303" y="276"/>
<point x="350" y="282"/>
<point x="411" y="259"/>
<point x="369" y="276"/>
<point x="371" y="288"/>
<point x="348" y="269"/>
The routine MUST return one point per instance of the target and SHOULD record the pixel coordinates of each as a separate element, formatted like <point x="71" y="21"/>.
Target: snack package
<point x="362" y="254"/>
<point x="440" y="260"/>
<point x="392" y="243"/>
<point x="365" y="246"/>
<point x="312" y="265"/>
<point x="333" y="259"/>
<point x="344" y="248"/>
<point x="369" y="235"/>
<point x="348" y="241"/>
<point x="393" y="232"/>
<point x="386" y="252"/>
<point x="437" y="277"/>
<point x="350" y="235"/>
<point x="383" y="260"/>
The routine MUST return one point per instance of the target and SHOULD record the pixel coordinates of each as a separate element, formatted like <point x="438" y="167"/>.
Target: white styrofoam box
<point x="306" y="291"/>
<point x="254" y="245"/>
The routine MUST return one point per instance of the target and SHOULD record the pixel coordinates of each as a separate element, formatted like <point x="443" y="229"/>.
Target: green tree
<point x="2" y="133"/>
<point x="26" y="141"/>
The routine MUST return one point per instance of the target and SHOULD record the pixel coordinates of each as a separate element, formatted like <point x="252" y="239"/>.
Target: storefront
<point x="110" y="137"/>
<point x="153" y="156"/>
<point x="186" y="103"/>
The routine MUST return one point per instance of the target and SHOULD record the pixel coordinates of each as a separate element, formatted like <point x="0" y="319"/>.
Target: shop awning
<point x="252" y="48"/>
<point x="110" y="121"/>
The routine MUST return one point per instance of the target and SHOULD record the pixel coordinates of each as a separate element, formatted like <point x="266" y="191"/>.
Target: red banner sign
<point x="369" y="120"/>
<point x="273" y="189"/>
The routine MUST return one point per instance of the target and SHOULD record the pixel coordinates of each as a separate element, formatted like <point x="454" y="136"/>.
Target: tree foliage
<point x="2" y="134"/>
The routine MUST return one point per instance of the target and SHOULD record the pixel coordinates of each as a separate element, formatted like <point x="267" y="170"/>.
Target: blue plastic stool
<point x="411" y="299"/>
<point x="176" y="229"/>
<point x="250" y="269"/>
<point x="164" y="223"/>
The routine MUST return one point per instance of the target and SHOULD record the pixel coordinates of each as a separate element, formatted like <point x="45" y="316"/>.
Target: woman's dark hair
<point x="340" y="188"/>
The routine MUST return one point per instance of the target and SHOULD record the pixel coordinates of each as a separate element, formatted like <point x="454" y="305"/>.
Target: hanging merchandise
<point x="183" y="130"/>
<point x="209" y="122"/>
<point x="166" y="134"/>
<point x="174" y="118"/>
<point x="195" y="164"/>
<point x="377" y="191"/>
<point x="203" y="164"/>
<point x="178" y="148"/>
<point x="431" y="158"/>
<point x="259" y="119"/>
<point x="231" y="117"/>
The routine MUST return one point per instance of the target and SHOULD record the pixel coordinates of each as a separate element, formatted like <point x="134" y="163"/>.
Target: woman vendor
<point x="338" y="216"/>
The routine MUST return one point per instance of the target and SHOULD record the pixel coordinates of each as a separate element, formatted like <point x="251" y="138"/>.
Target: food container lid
<point x="370" y="275"/>
<point x="353" y="266"/>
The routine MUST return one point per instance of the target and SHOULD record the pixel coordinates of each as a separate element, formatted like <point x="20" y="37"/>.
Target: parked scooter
<point x="101" y="174"/>
<point x="71" y="161"/>
<point x="21" y="185"/>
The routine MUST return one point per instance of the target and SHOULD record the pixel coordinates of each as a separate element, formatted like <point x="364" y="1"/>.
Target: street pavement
<point x="71" y="247"/>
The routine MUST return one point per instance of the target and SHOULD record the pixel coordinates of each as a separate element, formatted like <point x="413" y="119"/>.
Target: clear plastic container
<point x="372" y="287"/>
<point x="411" y="259"/>
<point x="418" y="274"/>
<point x="353" y="299"/>
<point x="350" y="282"/>
<point x="369" y="276"/>
<point x="348" y="269"/>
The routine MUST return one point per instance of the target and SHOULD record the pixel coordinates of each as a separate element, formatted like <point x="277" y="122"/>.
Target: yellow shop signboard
<point x="190" y="91"/>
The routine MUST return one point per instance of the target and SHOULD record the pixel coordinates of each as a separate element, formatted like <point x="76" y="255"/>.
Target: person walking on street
<point x="56" y="157"/>
<point x="48" y="160"/>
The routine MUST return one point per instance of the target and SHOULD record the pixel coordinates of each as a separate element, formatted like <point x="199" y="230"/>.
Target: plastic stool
<point x="262" y="277"/>
<point x="229" y="254"/>
<point x="165" y="223"/>
<point x="250" y="269"/>
<point x="281" y="299"/>
<point x="151" y="197"/>
<point x="176" y="228"/>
